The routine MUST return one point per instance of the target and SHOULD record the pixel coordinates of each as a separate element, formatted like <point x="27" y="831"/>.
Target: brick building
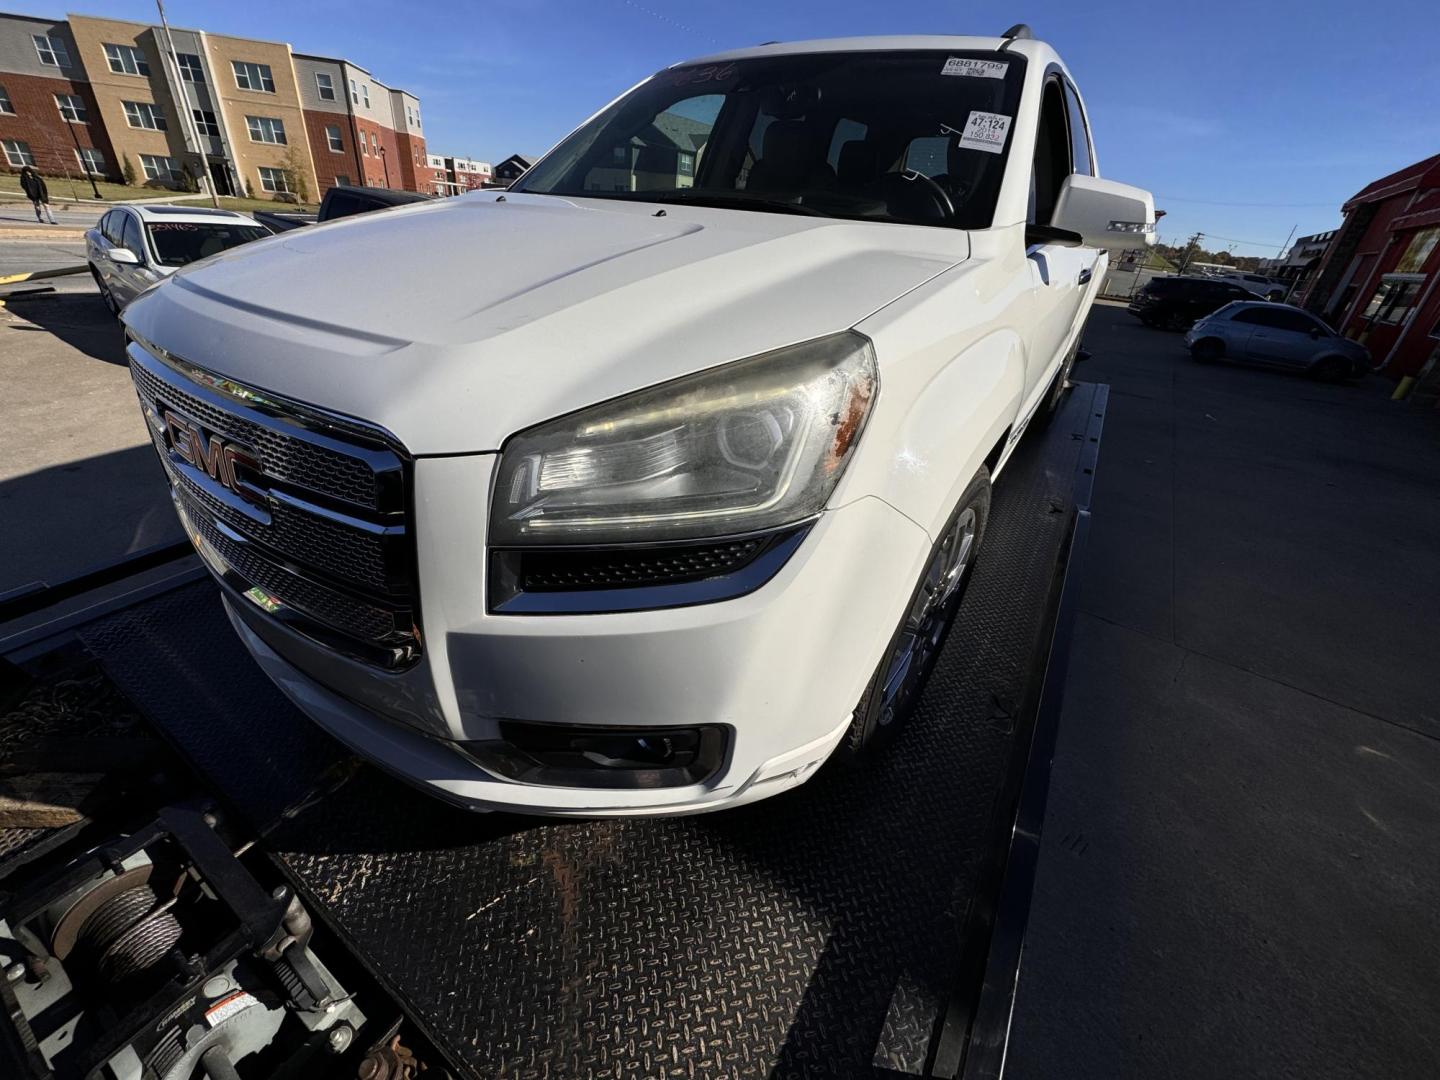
<point x="1378" y="281"/>
<point x="361" y="131"/>
<point x="48" y="114"/>
<point x="119" y="98"/>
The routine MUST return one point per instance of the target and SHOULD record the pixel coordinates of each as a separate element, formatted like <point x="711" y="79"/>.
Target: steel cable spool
<point x="128" y="934"/>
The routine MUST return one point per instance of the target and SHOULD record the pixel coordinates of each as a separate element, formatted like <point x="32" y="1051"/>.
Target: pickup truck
<point x="673" y="503"/>
<point x="339" y="202"/>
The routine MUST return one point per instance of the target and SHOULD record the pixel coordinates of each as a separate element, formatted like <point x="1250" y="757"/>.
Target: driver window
<point x="661" y="156"/>
<point x="132" y="239"/>
<point x="1052" y="156"/>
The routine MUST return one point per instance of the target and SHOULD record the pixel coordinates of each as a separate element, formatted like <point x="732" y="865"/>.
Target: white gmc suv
<point x="650" y="484"/>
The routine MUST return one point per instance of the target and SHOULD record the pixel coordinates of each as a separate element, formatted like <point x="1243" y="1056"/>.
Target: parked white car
<point x="133" y="247"/>
<point x="674" y="502"/>
<point x="1262" y="286"/>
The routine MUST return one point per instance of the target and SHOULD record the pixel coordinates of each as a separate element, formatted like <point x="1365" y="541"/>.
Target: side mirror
<point x="1106" y="214"/>
<point x="125" y="256"/>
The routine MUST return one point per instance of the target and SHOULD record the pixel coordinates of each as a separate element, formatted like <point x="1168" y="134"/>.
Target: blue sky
<point x="1243" y="118"/>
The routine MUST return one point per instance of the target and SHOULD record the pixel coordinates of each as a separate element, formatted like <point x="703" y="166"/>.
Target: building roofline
<point x="358" y="67"/>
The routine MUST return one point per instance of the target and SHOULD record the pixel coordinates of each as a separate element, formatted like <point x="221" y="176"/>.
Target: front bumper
<point x="780" y="669"/>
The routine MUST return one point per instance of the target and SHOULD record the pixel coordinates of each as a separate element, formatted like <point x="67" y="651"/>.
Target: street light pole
<point x="187" y="119"/>
<point x="81" y="158"/>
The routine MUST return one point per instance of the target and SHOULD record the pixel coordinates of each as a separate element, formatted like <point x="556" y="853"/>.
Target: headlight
<point x="752" y="445"/>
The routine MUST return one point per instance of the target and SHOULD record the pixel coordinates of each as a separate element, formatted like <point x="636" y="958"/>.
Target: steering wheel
<point x="917" y="196"/>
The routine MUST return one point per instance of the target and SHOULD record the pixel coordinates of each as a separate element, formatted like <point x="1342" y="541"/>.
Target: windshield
<point x="913" y="137"/>
<point x="180" y="242"/>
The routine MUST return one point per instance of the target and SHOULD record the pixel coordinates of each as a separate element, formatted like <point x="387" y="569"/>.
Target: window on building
<point x="6" y="108"/>
<point x="1393" y="300"/>
<point x="51" y="50"/>
<point x="250" y="76"/>
<point x="72" y="108"/>
<point x="332" y="135"/>
<point x="92" y="161"/>
<point x="126" y="60"/>
<point x="190" y="69"/>
<point x="364" y="146"/>
<point x="365" y="93"/>
<point x="266" y="129"/>
<point x="17" y="153"/>
<point x="145" y="114"/>
<point x="274" y="180"/>
<point x="342" y="181"/>
<point x="417" y="116"/>
<point x="206" y="123"/>
<point x="324" y="86"/>
<point x="1418" y="251"/>
<point x="374" y="144"/>
<point x="160" y="167"/>
<point x="354" y="93"/>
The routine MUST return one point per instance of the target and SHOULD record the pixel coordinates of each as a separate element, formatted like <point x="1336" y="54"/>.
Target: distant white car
<point x="1259" y="284"/>
<point x="133" y="247"/>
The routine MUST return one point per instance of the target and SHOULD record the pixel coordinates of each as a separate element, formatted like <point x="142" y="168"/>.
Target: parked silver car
<point x="134" y="246"/>
<point x="1278" y="335"/>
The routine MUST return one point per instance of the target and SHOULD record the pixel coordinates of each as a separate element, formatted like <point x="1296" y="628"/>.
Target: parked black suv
<point x="1176" y="302"/>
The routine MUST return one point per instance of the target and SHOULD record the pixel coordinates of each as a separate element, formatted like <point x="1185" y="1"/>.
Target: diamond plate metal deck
<point x="815" y="934"/>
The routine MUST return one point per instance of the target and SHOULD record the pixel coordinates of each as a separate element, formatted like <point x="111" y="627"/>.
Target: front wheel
<point x="105" y="294"/>
<point x="894" y="689"/>
<point x="1207" y="350"/>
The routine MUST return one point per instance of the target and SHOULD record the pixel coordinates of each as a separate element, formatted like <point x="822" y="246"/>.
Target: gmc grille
<point x="302" y="514"/>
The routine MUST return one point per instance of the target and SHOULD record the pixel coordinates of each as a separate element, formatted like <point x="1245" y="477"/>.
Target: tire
<point x="894" y="688"/>
<point x="106" y="296"/>
<point x="1051" y="405"/>
<point x="1330" y="369"/>
<point x="1207" y="350"/>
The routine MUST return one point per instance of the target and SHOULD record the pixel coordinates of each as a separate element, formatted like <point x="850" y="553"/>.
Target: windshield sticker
<point x="975" y="69"/>
<point x="985" y="131"/>
<point x="172" y="226"/>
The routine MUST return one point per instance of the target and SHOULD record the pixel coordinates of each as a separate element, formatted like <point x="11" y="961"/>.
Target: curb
<point x="35" y="275"/>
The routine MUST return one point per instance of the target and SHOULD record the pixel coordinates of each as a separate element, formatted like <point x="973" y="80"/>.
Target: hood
<point x="455" y="324"/>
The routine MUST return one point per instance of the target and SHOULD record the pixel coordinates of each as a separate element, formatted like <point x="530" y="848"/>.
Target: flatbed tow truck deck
<point x="867" y="923"/>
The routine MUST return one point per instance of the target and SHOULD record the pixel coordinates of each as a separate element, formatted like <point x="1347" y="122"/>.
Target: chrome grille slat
<point x="340" y="576"/>
<point x="284" y="457"/>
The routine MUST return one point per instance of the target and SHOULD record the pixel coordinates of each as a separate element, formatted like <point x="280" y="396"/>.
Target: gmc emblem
<point x="212" y="455"/>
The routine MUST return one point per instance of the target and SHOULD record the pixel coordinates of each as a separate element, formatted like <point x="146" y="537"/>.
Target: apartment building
<point x="467" y="174"/>
<point x="49" y="118"/>
<point x="119" y="99"/>
<point x="438" y="175"/>
<point x="361" y="131"/>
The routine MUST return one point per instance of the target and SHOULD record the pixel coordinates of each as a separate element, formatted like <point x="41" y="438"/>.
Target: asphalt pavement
<point x="1241" y="858"/>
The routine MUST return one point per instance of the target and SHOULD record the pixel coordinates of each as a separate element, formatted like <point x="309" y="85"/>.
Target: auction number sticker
<point x="985" y="131"/>
<point x="975" y="69"/>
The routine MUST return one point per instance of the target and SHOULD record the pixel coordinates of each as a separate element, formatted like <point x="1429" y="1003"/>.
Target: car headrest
<point x="858" y="163"/>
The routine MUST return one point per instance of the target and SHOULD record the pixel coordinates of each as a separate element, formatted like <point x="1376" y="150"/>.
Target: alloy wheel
<point x="925" y="623"/>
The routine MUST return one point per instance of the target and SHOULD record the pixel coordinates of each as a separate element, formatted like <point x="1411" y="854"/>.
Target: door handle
<point x="1085" y="273"/>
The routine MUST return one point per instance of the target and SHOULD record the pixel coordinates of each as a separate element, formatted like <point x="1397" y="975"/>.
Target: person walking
<point x="33" y="184"/>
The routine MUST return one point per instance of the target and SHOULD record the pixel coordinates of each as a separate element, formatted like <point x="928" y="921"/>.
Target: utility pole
<point x="187" y="119"/>
<point x="1286" y="246"/>
<point x="1190" y="249"/>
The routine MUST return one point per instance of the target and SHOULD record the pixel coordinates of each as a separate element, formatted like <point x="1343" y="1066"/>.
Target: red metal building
<point x="1378" y="282"/>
